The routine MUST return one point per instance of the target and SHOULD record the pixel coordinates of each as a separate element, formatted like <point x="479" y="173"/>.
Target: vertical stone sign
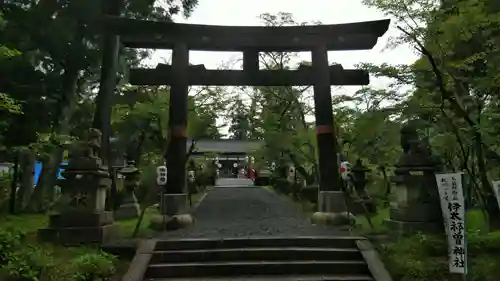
<point x="452" y="206"/>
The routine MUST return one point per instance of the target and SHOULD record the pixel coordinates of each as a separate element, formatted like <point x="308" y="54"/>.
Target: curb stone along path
<point x="249" y="212"/>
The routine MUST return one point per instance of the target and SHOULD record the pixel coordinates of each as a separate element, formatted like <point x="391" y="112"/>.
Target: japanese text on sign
<point x="452" y="206"/>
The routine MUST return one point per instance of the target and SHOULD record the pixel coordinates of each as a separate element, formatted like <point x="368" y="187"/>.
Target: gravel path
<point x="243" y="212"/>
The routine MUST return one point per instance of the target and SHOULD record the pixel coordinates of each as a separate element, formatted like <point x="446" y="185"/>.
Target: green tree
<point x="206" y="106"/>
<point x="455" y="80"/>
<point x="59" y="67"/>
<point x="7" y="104"/>
<point x="280" y="112"/>
<point x="239" y="128"/>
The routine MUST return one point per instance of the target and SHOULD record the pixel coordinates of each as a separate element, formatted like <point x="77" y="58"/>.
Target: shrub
<point x="205" y="177"/>
<point x="30" y="263"/>
<point x="5" y="180"/>
<point x="377" y="188"/>
<point x="282" y="186"/>
<point x="409" y="260"/>
<point x="93" y="267"/>
<point x="9" y="242"/>
<point x="310" y="193"/>
<point x="148" y="182"/>
<point x="479" y="242"/>
<point x="486" y="268"/>
<point x="423" y="257"/>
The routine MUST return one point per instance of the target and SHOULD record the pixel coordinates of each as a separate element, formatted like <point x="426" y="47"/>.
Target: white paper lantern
<point x="345" y="170"/>
<point x="161" y="175"/>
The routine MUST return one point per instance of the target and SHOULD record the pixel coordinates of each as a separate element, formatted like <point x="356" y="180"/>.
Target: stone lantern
<point x="416" y="205"/>
<point x="82" y="217"/>
<point x="129" y="207"/>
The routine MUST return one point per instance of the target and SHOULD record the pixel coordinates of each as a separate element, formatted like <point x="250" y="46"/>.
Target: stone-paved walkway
<point x="249" y="211"/>
<point x="234" y="182"/>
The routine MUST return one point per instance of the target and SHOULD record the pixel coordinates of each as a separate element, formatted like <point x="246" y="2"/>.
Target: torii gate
<point x="181" y="38"/>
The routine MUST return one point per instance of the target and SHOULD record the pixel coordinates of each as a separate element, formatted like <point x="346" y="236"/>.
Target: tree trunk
<point x="491" y="204"/>
<point x="134" y="149"/>
<point x="66" y="105"/>
<point x="138" y="149"/>
<point x="13" y="184"/>
<point x="26" y="188"/>
<point x="107" y="85"/>
<point x="387" y="183"/>
<point x="37" y="199"/>
<point x="312" y="150"/>
<point x="309" y="178"/>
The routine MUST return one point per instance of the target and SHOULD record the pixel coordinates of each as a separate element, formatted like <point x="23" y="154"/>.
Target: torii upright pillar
<point x="331" y="197"/>
<point x="174" y="201"/>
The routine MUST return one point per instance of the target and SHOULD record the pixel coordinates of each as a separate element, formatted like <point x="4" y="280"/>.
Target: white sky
<point x="246" y="12"/>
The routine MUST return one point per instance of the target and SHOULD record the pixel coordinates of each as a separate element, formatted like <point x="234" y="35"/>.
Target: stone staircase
<point x="301" y="258"/>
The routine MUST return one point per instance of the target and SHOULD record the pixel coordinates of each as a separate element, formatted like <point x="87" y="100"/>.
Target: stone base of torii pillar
<point x="174" y="213"/>
<point x="332" y="210"/>
<point x="174" y="208"/>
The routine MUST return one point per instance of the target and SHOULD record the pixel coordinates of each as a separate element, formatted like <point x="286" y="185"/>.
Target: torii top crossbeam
<point x="163" y="35"/>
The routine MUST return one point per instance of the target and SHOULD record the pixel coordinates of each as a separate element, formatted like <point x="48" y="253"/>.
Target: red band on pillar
<point x="178" y="131"/>
<point x="324" y="129"/>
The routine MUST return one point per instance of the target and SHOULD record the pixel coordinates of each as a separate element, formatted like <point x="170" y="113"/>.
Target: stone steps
<point x="277" y="278"/>
<point x="247" y="268"/>
<point x="256" y="254"/>
<point x="257" y="242"/>
<point x="269" y="258"/>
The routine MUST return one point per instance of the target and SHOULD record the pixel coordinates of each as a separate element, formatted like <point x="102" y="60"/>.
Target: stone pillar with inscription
<point x="82" y="217"/>
<point x="129" y="208"/>
<point x="416" y="204"/>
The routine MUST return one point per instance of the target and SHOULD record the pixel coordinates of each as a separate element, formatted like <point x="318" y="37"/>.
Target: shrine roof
<point x="226" y="146"/>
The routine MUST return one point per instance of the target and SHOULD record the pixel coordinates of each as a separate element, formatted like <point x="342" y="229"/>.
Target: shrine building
<point x="227" y="151"/>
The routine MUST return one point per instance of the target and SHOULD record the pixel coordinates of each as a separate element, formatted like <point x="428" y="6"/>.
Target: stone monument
<point x="129" y="208"/>
<point x="82" y="218"/>
<point x="416" y="205"/>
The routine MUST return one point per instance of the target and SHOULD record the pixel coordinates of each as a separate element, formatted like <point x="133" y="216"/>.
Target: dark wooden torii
<point x="181" y="38"/>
